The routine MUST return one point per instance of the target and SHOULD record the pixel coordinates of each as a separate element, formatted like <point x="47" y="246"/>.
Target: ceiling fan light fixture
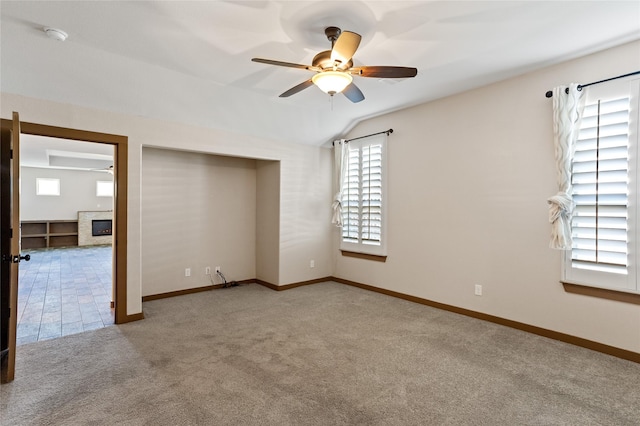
<point x="332" y="82"/>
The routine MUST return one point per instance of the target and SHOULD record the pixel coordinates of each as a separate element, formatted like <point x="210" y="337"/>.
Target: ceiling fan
<point x="334" y="68"/>
<point x="104" y="169"/>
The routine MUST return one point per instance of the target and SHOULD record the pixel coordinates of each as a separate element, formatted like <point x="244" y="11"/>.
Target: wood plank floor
<point x="64" y="291"/>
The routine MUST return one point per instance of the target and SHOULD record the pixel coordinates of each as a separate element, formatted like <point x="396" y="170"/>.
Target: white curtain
<point x="340" y="153"/>
<point x="567" y="111"/>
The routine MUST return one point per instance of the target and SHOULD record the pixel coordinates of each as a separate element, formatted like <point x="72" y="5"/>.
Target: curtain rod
<point x="388" y="132"/>
<point x="580" y="86"/>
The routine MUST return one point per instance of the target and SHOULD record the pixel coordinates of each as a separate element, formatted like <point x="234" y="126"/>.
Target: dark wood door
<point x="10" y="245"/>
<point x="5" y="245"/>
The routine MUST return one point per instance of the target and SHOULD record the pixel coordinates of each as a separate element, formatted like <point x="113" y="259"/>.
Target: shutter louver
<point x="600" y="188"/>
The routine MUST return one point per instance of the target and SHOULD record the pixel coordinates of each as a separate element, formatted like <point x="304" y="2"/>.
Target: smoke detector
<point x="56" y="34"/>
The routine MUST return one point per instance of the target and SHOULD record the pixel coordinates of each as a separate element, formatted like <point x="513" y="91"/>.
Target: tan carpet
<point x="324" y="354"/>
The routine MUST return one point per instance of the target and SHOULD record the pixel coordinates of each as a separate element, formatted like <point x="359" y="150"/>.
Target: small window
<point x="47" y="186"/>
<point x="364" y="197"/>
<point x="104" y="188"/>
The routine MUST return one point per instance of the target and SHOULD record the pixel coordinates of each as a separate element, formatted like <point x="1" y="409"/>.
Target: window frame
<point x="370" y="251"/>
<point x="98" y="185"/>
<point x="40" y="189"/>
<point x="598" y="279"/>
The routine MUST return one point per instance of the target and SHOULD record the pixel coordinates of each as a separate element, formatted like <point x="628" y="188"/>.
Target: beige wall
<point x="305" y="216"/>
<point x="267" y="221"/>
<point x="77" y="193"/>
<point x="469" y="177"/>
<point x="198" y="210"/>
<point x="305" y="184"/>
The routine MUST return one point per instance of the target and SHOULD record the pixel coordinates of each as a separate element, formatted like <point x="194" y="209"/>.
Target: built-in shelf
<point x="49" y="233"/>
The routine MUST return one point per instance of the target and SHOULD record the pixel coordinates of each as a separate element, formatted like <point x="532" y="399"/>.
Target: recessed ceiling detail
<point x="78" y="160"/>
<point x="47" y="152"/>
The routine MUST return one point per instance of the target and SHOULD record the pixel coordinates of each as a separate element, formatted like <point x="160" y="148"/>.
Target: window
<point x="47" y="186"/>
<point x="604" y="176"/>
<point x="364" y="197"/>
<point x="104" y="188"/>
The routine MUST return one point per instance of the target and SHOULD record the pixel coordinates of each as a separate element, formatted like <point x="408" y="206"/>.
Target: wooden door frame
<point x="8" y="308"/>
<point x="120" y="144"/>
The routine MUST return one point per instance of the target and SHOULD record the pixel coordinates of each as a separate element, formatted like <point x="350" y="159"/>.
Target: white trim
<point x="361" y="247"/>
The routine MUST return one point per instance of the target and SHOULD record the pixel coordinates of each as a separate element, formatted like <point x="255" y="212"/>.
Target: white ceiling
<point x="190" y="61"/>
<point x="45" y="152"/>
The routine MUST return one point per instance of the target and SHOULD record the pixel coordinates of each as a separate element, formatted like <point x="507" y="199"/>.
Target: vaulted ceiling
<point x="190" y="61"/>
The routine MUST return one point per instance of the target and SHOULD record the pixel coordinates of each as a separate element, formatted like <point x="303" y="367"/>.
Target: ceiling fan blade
<point x="104" y="169"/>
<point x="353" y="93"/>
<point x="281" y="64"/>
<point x="295" y="89"/>
<point x="345" y="46"/>
<point x="385" y="72"/>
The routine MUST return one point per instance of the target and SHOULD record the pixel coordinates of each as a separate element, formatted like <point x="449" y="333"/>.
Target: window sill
<point x="373" y="257"/>
<point x="602" y="293"/>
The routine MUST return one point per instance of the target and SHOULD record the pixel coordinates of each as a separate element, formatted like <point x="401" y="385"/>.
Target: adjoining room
<point x="66" y="228"/>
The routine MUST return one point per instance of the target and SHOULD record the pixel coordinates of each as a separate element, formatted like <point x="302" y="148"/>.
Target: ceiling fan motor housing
<point x="323" y="60"/>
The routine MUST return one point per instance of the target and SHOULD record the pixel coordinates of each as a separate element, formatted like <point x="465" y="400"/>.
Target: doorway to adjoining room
<point x="66" y="214"/>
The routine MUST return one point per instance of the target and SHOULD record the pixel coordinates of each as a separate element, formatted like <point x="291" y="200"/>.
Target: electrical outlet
<point x="478" y="290"/>
<point x="217" y="269"/>
<point x="312" y="264"/>
<point x="207" y="270"/>
<point x="187" y="272"/>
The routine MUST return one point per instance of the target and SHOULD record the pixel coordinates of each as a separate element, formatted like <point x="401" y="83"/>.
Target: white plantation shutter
<point x="351" y="198"/>
<point x="604" y="226"/>
<point x="363" y="197"/>
<point x="371" y="194"/>
<point x="600" y="188"/>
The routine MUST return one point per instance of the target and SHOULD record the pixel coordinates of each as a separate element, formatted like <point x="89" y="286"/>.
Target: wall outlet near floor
<point x="478" y="290"/>
<point x="207" y="270"/>
<point x="187" y="272"/>
<point x="312" y="263"/>
<point x="217" y="269"/>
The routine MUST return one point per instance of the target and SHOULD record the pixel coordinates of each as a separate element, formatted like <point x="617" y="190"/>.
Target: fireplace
<point x="87" y="222"/>
<point x="100" y="227"/>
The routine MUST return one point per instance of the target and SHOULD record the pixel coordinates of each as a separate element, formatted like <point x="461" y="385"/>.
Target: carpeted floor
<point x="324" y="354"/>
